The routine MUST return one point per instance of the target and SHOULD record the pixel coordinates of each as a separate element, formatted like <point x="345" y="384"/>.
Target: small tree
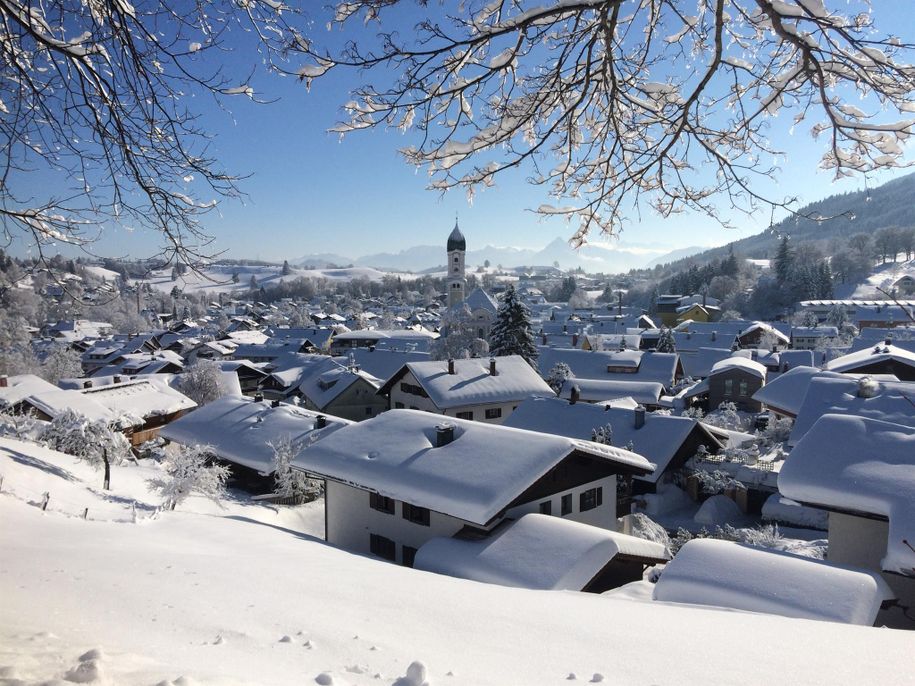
<point x="459" y="338"/>
<point x="558" y="376"/>
<point x="200" y="382"/>
<point x="190" y="470"/>
<point x="99" y="443"/>
<point x="286" y="269"/>
<point x="603" y="434"/>
<point x="61" y="362"/>
<point x="666" y="343"/>
<point x="512" y="334"/>
<point x="289" y="481"/>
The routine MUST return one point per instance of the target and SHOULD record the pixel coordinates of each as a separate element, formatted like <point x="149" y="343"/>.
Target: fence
<point x="127" y="511"/>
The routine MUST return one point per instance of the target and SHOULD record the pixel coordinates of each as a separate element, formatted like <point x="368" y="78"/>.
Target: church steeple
<point x="456" y="248"/>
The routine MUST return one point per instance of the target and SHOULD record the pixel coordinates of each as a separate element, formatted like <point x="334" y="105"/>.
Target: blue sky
<point x="308" y="192"/>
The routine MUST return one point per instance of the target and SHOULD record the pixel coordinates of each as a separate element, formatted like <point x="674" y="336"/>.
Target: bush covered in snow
<point x="190" y="470"/>
<point x="20" y="425"/>
<point x="727" y="417"/>
<point x="762" y="536"/>
<point x="558" y="376"/>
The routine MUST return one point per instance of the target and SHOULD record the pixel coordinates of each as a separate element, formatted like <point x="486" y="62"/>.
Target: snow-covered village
<point x="612" y="382"/>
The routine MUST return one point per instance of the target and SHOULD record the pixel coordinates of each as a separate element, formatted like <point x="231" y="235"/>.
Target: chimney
<point x="714" y="335"/>
<point x="574" y="394"/>
<point x="320" y="421"/>
<point x="87" y="384"/>
<point x="754" y="354"/>
<point x="492" y="367"/>
<point x="543" y="339"/>
<point x="258" y="397"/>
<point x="887" y="341"/>
<point x="275" y="403"/>
<point x="117" y="378"/>
<point x="4" y="381"/>
<point x="444" y="434"/>
<point x="639" y="412"/>
<point x="574" y="340"/>
<point x="450" y="365"/>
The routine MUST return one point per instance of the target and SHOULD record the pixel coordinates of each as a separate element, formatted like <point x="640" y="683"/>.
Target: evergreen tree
<point x="784" y="261"/>
<point x="286" y="269"/>
<point x="666" y="343"/>
<point x="729" y="266"/>
<point x="511" y="333"/>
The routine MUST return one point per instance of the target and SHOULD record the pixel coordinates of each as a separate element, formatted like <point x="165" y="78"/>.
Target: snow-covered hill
<point x="251" y="595"/>
<point x="883" y="276"/>
<point x="218" y="278"/>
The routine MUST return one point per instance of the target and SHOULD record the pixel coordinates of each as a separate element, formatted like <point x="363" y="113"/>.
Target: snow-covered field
<point x="217" y="278"/>
<point x="884" y="276"/>
<point x="249" y="594"/>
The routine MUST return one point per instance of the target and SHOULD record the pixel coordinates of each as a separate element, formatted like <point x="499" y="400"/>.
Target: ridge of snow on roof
<point x="472" y="478"/>
<point x="472" y="384"/>
<point x="239" y="429"/>
<point x="786" y="392"/>
<point x="726" y="574"/>
<point x="658" y="440"/>
<point x="862" y="465"/>
<point x="536" y="551"/>
<point x="749" y="366"/>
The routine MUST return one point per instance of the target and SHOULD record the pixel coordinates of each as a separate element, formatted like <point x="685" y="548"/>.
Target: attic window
<point x="324" y="384"/>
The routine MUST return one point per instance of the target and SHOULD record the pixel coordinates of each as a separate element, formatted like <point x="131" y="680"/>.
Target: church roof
<point x="481" y="300"/>
<point x="456" y="240"/>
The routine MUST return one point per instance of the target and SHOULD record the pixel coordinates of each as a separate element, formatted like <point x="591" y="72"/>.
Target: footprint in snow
<point x="285" y="639"/>
<point x="219" y="641"/>
<point x="597" y="678"/>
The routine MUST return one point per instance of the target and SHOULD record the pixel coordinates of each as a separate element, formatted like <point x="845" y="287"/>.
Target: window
<point x="546" y="507"/>
<point x="398" y="406"/>
<point x="729" y="386"/>
<point x="566" y="505"/>
<point x="413" y="389"/>
<point x="494" y="413"/>
<point x="590" y="499"/>
<point x="417" y="515"/>
<point x="743" y="389"/>
<point x="408" y="555"/>
<point x="368" y="411"/>
<point x="381" y="503"/>
<point x="465" y="415"/>
<point x="382" y="547"/>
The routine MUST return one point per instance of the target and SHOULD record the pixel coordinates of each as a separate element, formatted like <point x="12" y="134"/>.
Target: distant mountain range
<point x="610" y="258"/>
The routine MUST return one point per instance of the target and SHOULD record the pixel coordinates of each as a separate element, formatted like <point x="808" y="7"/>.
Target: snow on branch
<point x="610" y="104"/>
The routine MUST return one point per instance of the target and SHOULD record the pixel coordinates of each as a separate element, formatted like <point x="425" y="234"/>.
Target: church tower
<point x="457" y="246"/>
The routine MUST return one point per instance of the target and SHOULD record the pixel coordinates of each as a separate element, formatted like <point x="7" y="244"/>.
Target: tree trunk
<point x="107" y="483"/>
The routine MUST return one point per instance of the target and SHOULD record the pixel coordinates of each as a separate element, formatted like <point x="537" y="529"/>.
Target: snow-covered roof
<point x="385" y="334"/>
<point x="240" y="429"/>
<point x="725" y="574"/>
<point x="58" y="401"/>
<point x="323" y="383"/>
<point x="699" y="364"/>
<point x="596" y="390"/>
<point x="737" y="362"/>
<point x="536" y="551"/>
<point x="475" y="476"/>
<point x="786" y="392"/>
<point x="383" y="363"/>
<point x="594" y="364"/>
<point x="765" y="328"/>
<point x="860" y="465"/>
<point x="658" y="440"/>
<point x="21" y="386"/>
<point x="142" y="398"/>
<point x="814" y="331"/>
<point x="885" y="400"/>
<point x="869" y="356"/>
<point x="472" y="384"/>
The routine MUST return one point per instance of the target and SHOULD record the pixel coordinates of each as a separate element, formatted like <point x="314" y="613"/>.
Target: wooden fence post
<point x="47" y="497"/>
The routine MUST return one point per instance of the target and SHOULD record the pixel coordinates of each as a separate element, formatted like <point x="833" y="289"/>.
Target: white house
<point x="404" y="477"/>
<point x="813" y="337"/>
<point x="863" y="472"/>
<point x="477" y="389"/>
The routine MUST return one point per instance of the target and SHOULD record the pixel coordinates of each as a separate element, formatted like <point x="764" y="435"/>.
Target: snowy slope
<point x="211" y="595"/>
<point x="883" y="276"/>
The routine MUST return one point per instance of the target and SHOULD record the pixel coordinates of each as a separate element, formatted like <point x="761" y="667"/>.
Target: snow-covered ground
<point x="217" y="278"/>
<point x="249" y="594"/>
